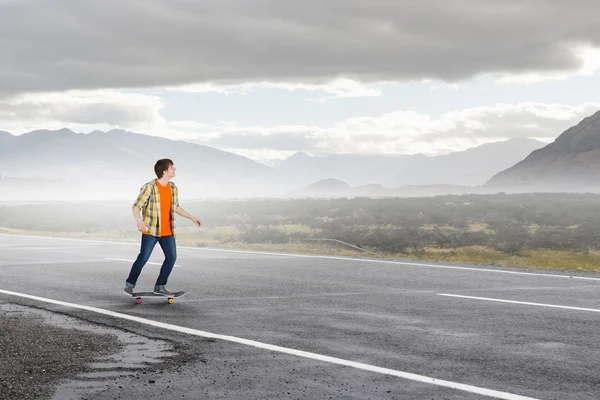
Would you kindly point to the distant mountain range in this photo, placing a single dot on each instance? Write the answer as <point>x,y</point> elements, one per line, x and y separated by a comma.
<point>63,164</point>
<point>472,167</point>
<point>331,188</point>
<point>116,163</point>
<point>570,163</point>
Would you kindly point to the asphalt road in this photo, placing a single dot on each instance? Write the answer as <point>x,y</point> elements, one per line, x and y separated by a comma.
<point>258,325</point>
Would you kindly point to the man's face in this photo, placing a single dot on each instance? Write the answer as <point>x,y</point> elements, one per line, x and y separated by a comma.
<point>171,171</point>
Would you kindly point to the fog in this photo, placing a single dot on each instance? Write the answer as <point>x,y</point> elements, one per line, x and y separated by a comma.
<point>502,222</point>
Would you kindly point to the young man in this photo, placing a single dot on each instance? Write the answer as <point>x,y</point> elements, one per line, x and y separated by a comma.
<point>154,212</point>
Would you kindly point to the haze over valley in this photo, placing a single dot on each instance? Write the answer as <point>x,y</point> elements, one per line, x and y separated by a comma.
<point>65,165</point>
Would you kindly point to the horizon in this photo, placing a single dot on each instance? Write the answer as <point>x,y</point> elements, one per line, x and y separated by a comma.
<point>275,164</point>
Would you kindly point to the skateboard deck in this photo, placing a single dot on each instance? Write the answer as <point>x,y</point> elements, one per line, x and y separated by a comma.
<point>171,299</point>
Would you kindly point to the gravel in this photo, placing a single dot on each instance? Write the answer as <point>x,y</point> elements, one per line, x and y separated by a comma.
<point>36,356</point>
<point>47,355</point>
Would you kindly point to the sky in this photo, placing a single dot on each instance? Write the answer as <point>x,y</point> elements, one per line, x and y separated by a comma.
<point>268,78</point>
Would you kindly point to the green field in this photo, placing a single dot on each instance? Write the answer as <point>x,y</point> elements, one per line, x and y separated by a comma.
<point>560,231</point>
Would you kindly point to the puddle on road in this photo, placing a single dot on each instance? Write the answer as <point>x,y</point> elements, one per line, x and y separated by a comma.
<point>136,355</point>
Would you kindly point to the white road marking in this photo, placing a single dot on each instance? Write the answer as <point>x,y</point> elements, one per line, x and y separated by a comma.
<point>370,260</point>
<point>285,350</point>
<point>365,260</point>
<point>520,302</point>
<point>132,261</point>
<point>69,239</point>
<point>28,248</point>
<point>532,288</point>
<point>300,296</point>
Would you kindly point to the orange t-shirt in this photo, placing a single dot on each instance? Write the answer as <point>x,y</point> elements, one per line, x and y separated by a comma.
<point>165,209</point>
<point>166,200</point>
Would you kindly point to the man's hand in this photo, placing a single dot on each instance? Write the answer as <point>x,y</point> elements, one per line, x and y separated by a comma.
<point>186,214</point>
<point>142,227</point>
<point>196,220</point>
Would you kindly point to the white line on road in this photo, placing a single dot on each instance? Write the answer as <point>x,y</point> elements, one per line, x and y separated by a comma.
<point>520,302</point>
<point>300,296</point>
<point>285,350</point>
<point>69,239</point>
<point>131,261</point>
<point>370,260</point>
<point>365,260</point>
<point>29,248</point>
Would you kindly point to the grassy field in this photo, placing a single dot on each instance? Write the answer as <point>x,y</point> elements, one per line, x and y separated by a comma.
<point>224,237</point>
<point>544,230</point>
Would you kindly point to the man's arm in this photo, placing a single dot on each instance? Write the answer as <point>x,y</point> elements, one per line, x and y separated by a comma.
<point>141,201</point>
<point>186,214</point>
<point>137,214</point>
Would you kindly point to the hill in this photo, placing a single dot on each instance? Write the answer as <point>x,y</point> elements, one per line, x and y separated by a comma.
<point>114,164</point>
<point>570,163</point>
<point>471,167</point>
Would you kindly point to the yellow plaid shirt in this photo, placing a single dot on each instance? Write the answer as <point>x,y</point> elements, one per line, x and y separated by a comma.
<point>149,202</point>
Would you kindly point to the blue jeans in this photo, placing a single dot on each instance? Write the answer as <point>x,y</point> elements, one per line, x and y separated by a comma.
<point>167,243</point>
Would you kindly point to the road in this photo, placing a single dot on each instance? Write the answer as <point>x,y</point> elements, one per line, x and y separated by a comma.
<point>263,325</point>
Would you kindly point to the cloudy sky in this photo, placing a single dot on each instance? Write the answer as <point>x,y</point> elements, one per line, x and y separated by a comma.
<point>268,78</point>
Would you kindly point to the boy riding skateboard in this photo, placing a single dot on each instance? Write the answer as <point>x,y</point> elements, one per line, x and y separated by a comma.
<point>154,211</point>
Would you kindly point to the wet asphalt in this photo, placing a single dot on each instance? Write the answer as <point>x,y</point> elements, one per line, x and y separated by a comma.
<point>539,340</point>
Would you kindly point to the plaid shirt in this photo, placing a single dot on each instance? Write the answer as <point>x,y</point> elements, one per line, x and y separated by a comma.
<point>149,202</point>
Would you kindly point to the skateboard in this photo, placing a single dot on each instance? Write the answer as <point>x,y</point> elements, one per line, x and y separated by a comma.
<point>171,299</point>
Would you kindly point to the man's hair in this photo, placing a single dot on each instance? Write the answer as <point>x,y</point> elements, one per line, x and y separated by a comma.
<point>161,166</point>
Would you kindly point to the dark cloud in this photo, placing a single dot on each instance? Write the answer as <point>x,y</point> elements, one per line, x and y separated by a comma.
<point>86,44</point>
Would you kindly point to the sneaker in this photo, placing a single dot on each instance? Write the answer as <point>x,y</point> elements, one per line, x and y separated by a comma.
<point>163,291</point>
<point>128,290</point>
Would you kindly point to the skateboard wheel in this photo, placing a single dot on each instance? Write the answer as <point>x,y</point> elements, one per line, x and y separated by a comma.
<point>138,301</point>
<point>171,300</point>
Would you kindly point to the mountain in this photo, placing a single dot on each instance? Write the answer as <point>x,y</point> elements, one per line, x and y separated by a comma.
<point>471,167</point>
<point>327,188</point>
<point>355,169</point>
<point>570,163</point>
<point>5,137</point>
<point>62,164</point>
<point>332,188</point>
<point>116,163</point>
<point>371,190</point>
